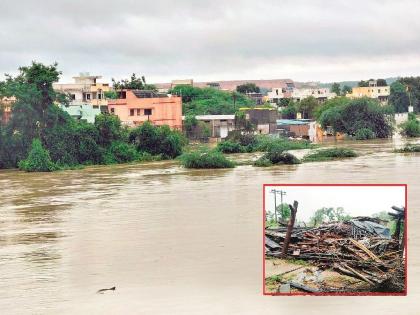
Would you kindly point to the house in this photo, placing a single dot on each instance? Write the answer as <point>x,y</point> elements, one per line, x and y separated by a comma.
<point>134,107</point>
<point>321,94</point>
<point>294,127</point>
<point>263,118</point>
<point>85,90</point>
<point>86,112</point>
<point>219,125</point>
<point>381,93</point>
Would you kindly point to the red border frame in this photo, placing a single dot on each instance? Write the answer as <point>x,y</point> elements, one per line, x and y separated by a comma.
<point>404,293</point>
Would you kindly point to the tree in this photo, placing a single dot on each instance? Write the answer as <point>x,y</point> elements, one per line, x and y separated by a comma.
<point>283,210</point>
<point>38,160</point>
<point>399,98</point>
<point>290,111</point>
<point>413,90</point>
<point>345,90</point>
<point>109,128</point>
<point>381,82</point>
<point>307,106</point>
<point>411,128</point>
<point>335,88</point>
<point>247,88</point>
<point>333,102</point>
<point>363,83</point>
<point>325,215</point>
<point>133,83</point>
<point>357,114</point>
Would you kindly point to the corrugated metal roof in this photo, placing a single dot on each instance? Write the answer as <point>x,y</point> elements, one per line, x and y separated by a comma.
<point>292,122</point>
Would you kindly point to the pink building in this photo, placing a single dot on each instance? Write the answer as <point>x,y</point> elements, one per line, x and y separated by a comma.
<point>134,107</point>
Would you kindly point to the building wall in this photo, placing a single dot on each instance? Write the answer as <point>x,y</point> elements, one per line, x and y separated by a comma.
<point>165,110</point>
<point>85,112</point>
<point>377,92</point>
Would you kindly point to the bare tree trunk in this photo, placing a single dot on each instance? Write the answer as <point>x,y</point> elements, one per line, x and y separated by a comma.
<point>293,210</point>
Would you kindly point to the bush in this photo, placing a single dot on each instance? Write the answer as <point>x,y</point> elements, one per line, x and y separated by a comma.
<point>329,154</point>
<point>411,128</point>
<point>205,159</point>
<point>230,146</point>
<point>276,156</point>
<point>121,152</point>
<point>38,160</point>
<point>364,134</point>
<point>409,148</point>
<point>263,162</point>
<point>158,140</point>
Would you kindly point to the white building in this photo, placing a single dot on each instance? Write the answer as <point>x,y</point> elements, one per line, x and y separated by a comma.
<point>321,94</point>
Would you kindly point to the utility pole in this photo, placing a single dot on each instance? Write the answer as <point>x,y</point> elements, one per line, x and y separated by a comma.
<point>275,192</point>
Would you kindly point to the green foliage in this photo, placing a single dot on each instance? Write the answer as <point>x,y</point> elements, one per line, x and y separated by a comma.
<point>325,215</point>
<point>329,154</point>
<point>399,97</point>
<point>335,102</point>
<point>345,90</point>
<point>109,128</point>
<point>247,88</point>
<point>158,140</point>
<point>38,160</point>
<point>409,148</point>
<point>290,111</point>
<point>133,83</point>
<point>308,106</point>
<point>112,95</point>
<point>210,101</point>
<point>283,210</point>
<point>276,155</point>
<point>355,115</point>
<point>365,134</point>
<point>413,87</point>
<point>205,159</point>
<point>230,146</point>
<point>411,128</point>
<point>190,122</point>
<point>335,88</point>
<point>120,152</point>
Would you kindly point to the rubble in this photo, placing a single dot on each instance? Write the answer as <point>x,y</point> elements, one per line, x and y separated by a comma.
<point>361,248</point>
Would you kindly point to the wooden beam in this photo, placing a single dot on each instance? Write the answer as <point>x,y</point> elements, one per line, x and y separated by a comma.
<point>293,210</point>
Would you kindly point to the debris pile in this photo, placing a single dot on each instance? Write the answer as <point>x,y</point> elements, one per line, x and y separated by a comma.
<point>361,248</point>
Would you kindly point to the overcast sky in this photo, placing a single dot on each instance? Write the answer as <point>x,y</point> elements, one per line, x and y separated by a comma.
<point>305,40</point>
<point>356,200</point>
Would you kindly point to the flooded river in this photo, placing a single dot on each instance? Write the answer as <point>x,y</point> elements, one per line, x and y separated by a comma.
<point>172,241</point>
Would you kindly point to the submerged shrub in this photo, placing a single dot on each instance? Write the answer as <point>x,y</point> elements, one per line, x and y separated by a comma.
<point>329,154</point>
<point>365,134</point>
<point>38,160</point>
<point>230,146</point>
<point>276,155</point>
<point>411,128</point>
<point>409,148</point>
<point>205,159</point>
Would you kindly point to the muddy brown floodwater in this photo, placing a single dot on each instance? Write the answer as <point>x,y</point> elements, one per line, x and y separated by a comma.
<point>172,241</point>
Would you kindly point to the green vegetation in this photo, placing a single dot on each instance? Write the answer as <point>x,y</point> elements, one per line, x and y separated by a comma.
<point>276,155</point>
<point>399,97</point>
<point>273,280</point>
<point>411,128</point>
<point>325,215</point>
<point>239,142</point>
<point>133,83</point>
<point>413,89</point>
<point>290,111</point>
<point>247,88</point>
<point>205,158</point>
<point>308,106</point>
<point>363,113</point>
<point>210,101</point>
<point>364,134</point>
<point>42,137</point>
<point>329,154</point>
<point>409,148</point>
<point>38,160</point>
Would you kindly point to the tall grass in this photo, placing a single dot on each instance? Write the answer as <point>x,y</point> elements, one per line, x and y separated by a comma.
<point>329,154</point>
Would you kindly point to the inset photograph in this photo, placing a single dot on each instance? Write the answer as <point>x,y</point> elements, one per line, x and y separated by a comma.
<point>335,239</point>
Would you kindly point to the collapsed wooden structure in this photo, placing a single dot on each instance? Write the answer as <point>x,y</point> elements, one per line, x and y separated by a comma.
<point>361,248</point>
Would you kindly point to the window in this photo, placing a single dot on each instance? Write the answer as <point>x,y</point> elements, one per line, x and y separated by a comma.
<point>122,94</point>
<point>138,112</point>
<point>95,106</point>
<point>88,96</point>
<point>132,112</point>
<point>112,110</point>
<point>73,96</point>
<point>99,96</point>
<point>148,111</point>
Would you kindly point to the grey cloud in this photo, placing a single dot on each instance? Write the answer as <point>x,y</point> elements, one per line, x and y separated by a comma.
<point>166,39</point>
